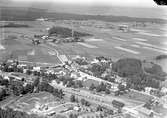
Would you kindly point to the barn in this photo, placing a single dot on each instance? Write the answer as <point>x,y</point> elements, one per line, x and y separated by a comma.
<point>117,104</point>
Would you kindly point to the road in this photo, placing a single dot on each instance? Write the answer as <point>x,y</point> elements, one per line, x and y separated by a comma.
<point>94,78</point>
<point>102,100</point>
<point>49,46</point>
<point>52,46</point>
<point>105,100</point>
<point>83,94</point>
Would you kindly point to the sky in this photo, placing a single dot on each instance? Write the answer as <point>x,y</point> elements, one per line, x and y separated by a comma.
<point>129,3</point>
<point>131,8</point>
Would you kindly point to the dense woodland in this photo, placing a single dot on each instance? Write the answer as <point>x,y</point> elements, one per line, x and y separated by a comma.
<point>17,88</point>
<point>9,113</point>
<point>160,57</point>
<point>14,25</point>
<point>65,32</point>
<point>44,86</point>
<point>139,77</point>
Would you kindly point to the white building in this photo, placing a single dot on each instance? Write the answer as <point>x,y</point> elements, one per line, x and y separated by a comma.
<point>94,61</point>
<point>22,66</point>
<point>124,28</point>
<point>25,71</point>
<point>41,19</point>
<point>6,77</point>
<point>37,69</point>
<point>149,89</point>
<point>164,90</point>
<point>163,101</point>
<point>44,37</point>
<point>75,75</point>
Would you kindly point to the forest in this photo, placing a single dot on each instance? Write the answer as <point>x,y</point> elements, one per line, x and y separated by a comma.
<point>138,76</point>
<point>9,113</point>
<point>65,32</point>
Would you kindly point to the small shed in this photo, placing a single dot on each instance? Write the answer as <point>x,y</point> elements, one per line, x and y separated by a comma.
<point>117,104</point>
<point>124,28</point>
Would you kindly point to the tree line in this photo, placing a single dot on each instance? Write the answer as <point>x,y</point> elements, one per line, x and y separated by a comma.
<point>138,77</point>
<point>10,113</point>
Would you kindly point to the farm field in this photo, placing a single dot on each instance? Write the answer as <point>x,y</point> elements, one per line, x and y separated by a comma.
<point>17,46</point>
<point>142,42</point>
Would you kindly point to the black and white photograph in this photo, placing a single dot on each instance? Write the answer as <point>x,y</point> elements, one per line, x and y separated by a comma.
<point>83,59</point>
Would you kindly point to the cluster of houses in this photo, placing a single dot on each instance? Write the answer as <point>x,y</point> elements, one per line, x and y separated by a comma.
<point>160,95</point>
<point>58,40</point>
<point>87,75</point>
<point>72,70</point>
<point>55,38</point>
<point>124,28</point>
<point>17,76</point>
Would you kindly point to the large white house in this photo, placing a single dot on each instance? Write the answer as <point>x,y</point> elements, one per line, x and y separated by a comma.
<point>164,101</point>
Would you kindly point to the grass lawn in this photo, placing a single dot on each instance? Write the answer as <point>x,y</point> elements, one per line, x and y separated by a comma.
<point>28,102</point>
<point>136,96</point>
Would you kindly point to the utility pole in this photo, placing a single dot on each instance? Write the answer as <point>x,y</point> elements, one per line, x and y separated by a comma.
<point>2,36</point>
<point>72,31</point>
<point>1,33</point>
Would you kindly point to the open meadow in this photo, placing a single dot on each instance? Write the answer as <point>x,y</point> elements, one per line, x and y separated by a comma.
<point>143,42</point>
<point>17,43</point>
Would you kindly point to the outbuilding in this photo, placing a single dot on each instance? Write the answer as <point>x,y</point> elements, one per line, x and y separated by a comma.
<point>117,104</point>
<point>124,28</point>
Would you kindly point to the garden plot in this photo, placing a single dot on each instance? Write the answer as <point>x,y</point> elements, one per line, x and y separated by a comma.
<point>118,38</point>
<point>136,46</point>
<point>94,39</point>
<point>140,39</point>
<point>87,45</point>
<point>148,34</point>
<point>127,50</point>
